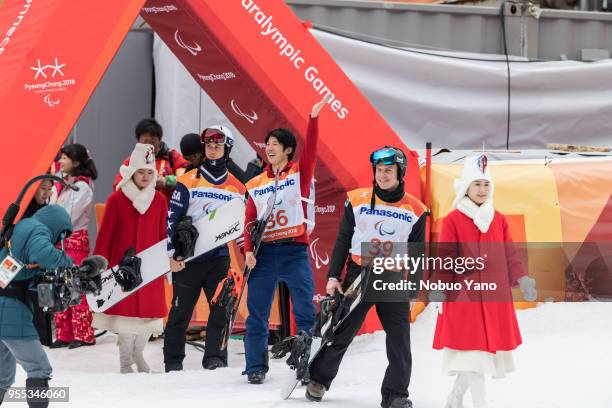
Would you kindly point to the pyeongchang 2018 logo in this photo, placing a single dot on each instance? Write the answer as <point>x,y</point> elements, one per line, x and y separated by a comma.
<point>224,76</point>
<point>191,46</point>
<point>318,259</point>
<point>328,209</point>
<point>249,117</point>
<point>9,33</point>
<point>49,79</point>
<point>159,9</point>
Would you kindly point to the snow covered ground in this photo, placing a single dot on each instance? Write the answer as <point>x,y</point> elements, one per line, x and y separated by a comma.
<point>564,362</point>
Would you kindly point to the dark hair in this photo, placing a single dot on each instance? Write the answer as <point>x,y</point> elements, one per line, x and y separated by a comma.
<point>285,138</point>
<point>78,152</point>
<point>150,126</point>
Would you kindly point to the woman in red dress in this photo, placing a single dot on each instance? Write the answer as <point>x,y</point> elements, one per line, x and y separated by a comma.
<point>477,333</point>
<point>134,217</point>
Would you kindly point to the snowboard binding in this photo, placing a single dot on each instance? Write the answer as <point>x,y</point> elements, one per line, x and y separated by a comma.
<point>227,292</point>
<point>298,348</point>
<point>128,274</point>
<point>328,310</point>
<point>184,239</point>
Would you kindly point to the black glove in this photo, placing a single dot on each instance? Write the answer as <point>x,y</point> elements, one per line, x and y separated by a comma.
<point>184,239</point>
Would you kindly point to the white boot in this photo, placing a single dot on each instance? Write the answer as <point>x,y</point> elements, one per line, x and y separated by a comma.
<point>139,346</point>
<point>455,398</point>
<point>477,388</point>
<point>125,342</point>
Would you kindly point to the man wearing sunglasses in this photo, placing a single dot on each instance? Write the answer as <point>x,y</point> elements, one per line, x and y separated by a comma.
<point>197,193</point>
<point>387,216</point>
<point>283,254</point>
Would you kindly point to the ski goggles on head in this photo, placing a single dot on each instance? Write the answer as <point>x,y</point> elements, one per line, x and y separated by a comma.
<point>385,156</point>
<point>213,136</point>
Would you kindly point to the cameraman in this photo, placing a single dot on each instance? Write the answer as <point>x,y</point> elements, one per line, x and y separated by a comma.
<point>33,244</point>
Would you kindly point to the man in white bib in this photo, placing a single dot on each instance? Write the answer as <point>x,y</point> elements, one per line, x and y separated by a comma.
<point>383,216</point>
<point>283,254</point>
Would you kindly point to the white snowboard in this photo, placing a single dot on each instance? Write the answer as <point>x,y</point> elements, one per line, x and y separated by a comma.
<point>218,227</point>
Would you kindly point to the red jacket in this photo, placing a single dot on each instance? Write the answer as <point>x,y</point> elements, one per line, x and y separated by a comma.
<point>162,164</point>
<point>477,325</point>
<point>123,227</point>
<point>306,164</point>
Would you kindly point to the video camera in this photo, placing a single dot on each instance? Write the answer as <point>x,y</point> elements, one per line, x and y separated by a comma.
<point>63,287</point>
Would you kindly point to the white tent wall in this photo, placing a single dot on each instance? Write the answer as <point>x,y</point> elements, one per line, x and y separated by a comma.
<point>182,107</point>
<point>454,100</point>
<point>461,103</point>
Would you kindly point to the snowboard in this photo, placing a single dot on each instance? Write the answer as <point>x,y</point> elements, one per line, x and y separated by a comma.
<point>351,299</point>
<point>216,228</point>
<point>257,233</point>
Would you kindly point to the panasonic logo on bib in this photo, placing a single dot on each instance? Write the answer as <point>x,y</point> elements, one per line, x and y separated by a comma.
<point>208,194</point>
<point>270,189</point>
<point>386,213</point>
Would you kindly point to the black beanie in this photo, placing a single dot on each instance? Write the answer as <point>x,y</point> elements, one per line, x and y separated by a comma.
<point>191,144</point>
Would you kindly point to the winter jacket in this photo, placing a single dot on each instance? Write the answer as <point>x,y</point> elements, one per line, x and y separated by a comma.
<point>340,255</point>
<point>469,323</point>
<point>306,169</point>
<point>33,242</point>
<point>123,227</point>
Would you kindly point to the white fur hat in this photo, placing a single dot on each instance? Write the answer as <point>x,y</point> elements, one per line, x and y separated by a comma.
<point>474,168</point>
<point>143,157</point>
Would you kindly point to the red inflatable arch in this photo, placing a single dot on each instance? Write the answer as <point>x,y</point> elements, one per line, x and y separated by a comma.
<point>255,59</point>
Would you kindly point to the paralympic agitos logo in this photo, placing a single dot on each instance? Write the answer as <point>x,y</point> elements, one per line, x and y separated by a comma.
<point>319,260</point>
<point>379,226</point>
<point>194,48</point>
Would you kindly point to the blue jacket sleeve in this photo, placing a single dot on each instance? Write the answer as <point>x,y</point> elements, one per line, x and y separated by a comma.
<point>179,204</point>
<point>41,251</point>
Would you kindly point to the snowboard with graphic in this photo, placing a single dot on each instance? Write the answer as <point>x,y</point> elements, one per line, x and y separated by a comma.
<point>216,228</point>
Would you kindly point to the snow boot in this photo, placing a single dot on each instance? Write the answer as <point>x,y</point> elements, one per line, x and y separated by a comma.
<point>140,342</point>
<point>212,363</point>
<point>315,391</point>
<point>455,398</point>
<point>38,386</point>
<point>257,377</point>
<point>126,341</point>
